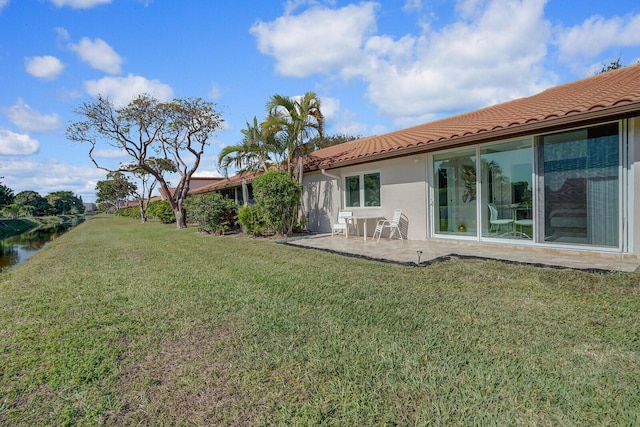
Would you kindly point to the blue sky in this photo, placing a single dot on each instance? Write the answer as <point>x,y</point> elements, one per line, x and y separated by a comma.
<point>377,66</point>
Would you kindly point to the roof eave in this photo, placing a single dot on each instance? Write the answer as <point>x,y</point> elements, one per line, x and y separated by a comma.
<point>617,112</point>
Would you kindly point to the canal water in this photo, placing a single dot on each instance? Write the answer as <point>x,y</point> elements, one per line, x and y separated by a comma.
<point>15,250</point>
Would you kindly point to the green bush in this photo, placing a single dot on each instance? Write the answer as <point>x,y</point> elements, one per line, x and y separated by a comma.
<point>132,212</point>
<point>277,196</point>
<point>214,213</point>
<point>162,210</point>
<point>252,220</point>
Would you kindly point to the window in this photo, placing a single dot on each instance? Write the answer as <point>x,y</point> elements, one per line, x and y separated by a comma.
<point>455,186</point>
<point>507,190</point>
<point>564,189</point>
<point>362,190</point>
<point>581,186</point>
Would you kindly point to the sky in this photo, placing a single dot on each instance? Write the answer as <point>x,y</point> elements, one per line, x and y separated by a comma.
<point>377,66</point>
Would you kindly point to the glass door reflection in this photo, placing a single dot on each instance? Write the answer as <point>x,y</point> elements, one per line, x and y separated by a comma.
<point>507,190</point>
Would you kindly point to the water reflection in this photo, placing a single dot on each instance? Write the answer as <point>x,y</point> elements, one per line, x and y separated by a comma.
<point>15,250</point>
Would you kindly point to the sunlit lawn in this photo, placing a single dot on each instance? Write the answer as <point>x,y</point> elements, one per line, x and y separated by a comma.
<point>120,323</point>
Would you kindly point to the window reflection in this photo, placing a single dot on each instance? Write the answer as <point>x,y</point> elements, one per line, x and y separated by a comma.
<point>455,178</point>
<point>507,190</point>
<point>581,186</point>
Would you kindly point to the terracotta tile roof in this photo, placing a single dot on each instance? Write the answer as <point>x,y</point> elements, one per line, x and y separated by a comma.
<point>609,96</point>
<point>230,182</point>
<point>233,181</point>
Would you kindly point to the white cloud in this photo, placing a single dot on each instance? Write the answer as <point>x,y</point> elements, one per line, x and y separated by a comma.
<point>342,121</point>
<point>329,107</point>
<point>470,8</point>
<point>494,54</point>
<point>63,34</point>
<point>98,54</point>
<point>30,120</point>
<point>291,5</point>
<point>21,174</point>
<point>122,90</point>
<point>66,94</point>
<point>317,40</point>
<point>44,67</point>
<point>109,154</point>
<point>412,5</point>
<point>3,3</point>
<point>79,4</point>
<point>208,174</point>
<point>13,144</point>
<point>215,92</point>
<point>348,125</point>
<point>597,34</point>
<point>495,57</point>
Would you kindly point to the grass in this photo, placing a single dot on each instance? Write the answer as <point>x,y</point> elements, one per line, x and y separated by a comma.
<point>11,227</point>
<point>119,323</point>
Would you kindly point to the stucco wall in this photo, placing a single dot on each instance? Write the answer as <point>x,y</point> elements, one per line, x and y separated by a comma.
<point>634,185</point>
<point>403,186</point>
<point>321,200</point>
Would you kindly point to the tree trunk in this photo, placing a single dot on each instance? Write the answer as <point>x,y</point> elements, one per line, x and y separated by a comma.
<point>143,214</point>
<point>181,219</point>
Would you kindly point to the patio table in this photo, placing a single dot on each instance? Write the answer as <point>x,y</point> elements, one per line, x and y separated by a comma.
<point>364,218</point>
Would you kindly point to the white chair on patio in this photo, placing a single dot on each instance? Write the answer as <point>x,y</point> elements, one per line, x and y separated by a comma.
<point>342,226</point>
<point>495,223</point>
<point>393,225</point>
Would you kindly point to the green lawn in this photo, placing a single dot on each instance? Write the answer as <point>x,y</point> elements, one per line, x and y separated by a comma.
<point>120,323</point>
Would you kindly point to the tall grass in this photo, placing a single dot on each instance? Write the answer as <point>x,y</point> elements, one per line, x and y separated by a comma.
<point>121,323</point>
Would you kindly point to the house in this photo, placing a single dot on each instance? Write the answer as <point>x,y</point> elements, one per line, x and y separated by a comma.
<point>557,169</point>
<point>237,187</point>
<point>196,183</point>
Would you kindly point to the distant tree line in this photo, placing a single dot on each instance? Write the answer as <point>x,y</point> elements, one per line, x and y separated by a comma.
<point>30,203</point>
<point>613,65</point>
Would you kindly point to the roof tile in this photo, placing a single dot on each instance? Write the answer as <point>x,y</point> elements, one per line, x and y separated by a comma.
<point>600,92</point>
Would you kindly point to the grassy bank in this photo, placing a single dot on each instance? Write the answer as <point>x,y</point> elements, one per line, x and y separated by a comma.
<point>119,323</point>
<point>11,227</point>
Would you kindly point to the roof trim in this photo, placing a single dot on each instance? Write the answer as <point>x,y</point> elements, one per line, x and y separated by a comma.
<point>617,112</point>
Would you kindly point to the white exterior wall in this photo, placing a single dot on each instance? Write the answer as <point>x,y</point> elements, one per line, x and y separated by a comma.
<point>633,186</point>
<point>321,199</point>
<point>403,183</point>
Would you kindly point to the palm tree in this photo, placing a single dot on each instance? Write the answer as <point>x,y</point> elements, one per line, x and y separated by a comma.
<point>252,153</point>
<point>295,120</point>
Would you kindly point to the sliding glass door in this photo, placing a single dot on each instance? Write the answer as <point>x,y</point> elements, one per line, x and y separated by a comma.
<point>581,176</point>
<point>572,196</point>
<point>455,192</point>
<point>507,190</point>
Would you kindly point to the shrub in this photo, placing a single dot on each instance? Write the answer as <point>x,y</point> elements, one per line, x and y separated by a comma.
<point>252,220</point>
<point>213,212</point>
<point>277,195</point>
<point>162,210</point>
<point>132,212</point>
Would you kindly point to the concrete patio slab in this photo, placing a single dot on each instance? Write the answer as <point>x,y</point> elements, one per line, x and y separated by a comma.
<point>406,252</point>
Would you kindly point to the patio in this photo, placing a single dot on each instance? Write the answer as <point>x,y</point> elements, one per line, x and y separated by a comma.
<point>406,252</point>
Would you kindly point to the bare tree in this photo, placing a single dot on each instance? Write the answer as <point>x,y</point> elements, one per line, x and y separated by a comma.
<point>175,131</point>
<point>148,183</point>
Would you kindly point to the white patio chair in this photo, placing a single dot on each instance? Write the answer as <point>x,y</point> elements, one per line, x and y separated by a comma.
<point>393,225</point>
<point>342,226</point>
<point>495,223</point>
